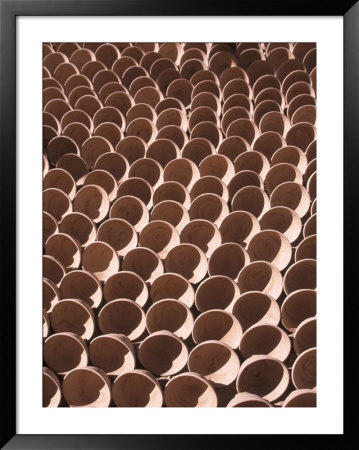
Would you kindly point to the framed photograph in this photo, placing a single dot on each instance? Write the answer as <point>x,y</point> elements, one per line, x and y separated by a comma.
<point>166,259</point>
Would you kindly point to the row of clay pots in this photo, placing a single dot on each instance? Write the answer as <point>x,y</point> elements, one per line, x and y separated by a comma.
<point>90,386</point>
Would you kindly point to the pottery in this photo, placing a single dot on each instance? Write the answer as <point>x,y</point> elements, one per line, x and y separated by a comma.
<point>246,400</point>
<point>216,361</point>
<point>82,285</point>
<point>163,151</point>
<point>217,325</point>
<point>275,121</point>
<point>113,353</point>
<point>49,226</point>
<point>59,146</point>
<point>311,151</point>
<point>92,201</point>
<point>307,248</point>
<point>209,185</point>
<point>75,166</point>
<point>144,262</point>
<point>267,143</point>
<point>208,86</point>
<point>109,114</point>
<point>142,128</point>
<point>202,114</point>
<point>171,315</point>
<point>189,389</point>
<point>301,135</point>
<point>137,388</point>
<point>242,179</point>
<point>202,233</point>
<point>216,292</point>
<point>230,74</point>
<point>172,116</point>
<point>141,110</point>
<point>175,134</point>
<point>264,376</point>
<point>101,260</point>
<point>148,169</point>
<point>251,199</point>
<point>169,103</point>
<point>131,148</point>
<point>256,308</point>
<point>87,387</point>
<point>298,102</point>
<point>172,190</point>
<point>187,260</point>
<point>293,196</point>
<point>122,316</point>
<point>183,171</point>
<point>131,209</point>
<point>304,371</point>
<point>180,89</point>
<point>207,99</point>
<point>291,155</point>
<point>270,94</point>
<point>93,148</point>
<point>50,294</point>
<point>284,220</point>
<point>136,187</point>
<point>115,164</point>
<point>239,227</point>
<point>64,352</point>
<point>52,269</point>
<point>126,285</point>
<point>310,226</point>
<point>163,353</point>
<point>217,165</point>
<point>233,146</point>
<point>149,95</point>
<point>297,307</point>
<point>265,339</point>
<point>65,249</point>
<point>228,259</point>
<point>238,100</point>
<point>171,212</point>
<point>51,389</point>
<point>263,108</point>
<point>301,275</point>
<point>172,286</point>
<point>252,160</point>
<point>261,276</point>
<point>207,130</point>
<point>305,336</point>
<point>264,82</point>
<point>80,227</point>
<point>160,237</point>
<point>301,398</point>
<point>294,77</point>
<point>209,207</point>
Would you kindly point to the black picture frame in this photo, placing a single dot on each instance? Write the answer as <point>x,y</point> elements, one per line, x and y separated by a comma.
<point>9,10</point>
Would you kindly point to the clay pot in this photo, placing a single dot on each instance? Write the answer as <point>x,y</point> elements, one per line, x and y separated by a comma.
<point>217,325</point>
<point>145,262</point>
<point>258,69</point>
<point>52,269</point>
<point>81,56</point>
<point>93,148</point>
<point>216,292</point>
<point>302,48</point>
<point>246,400</point>
<point>163,151</point>
<point>115,164</point>
<point>183,171</point>
<point>239,227</point>
<point>109,114</point>
<point>160,237</point>
<point>237,86</point>
<point>228,259</point>
<point>297,307</point>
<point>301,275</point>
<point>180,89</point>
<point>190,389</point>
<point>131,209</point>
<point>103,77</point>
<point>220,61</point>
<point>75,316</point>
<point>232,115</point>
<point>307,248</point>
<point>274,121</point>
<point>101,260</point>
<point>206,99</point>
<point>203,234</point>
<point>126,285</point>
<point>310,226</point>
<point>256,308</point>
<point>140,82</point>
<point>292,155</point>
<point>267,143</point>
<point>264,82</point>
<point>171,190</point>
<point>148,169</point>
<point>209,185</point>
<point>75,81</point>
<point>56,203</point>
<point>296,103</point>
<point>301,398</point>
<point>251,199</point>
<point>172,116</point>
<point>217,165</point>
<point>142,128</point>
<point>163,353</point>
<point>263,108</point>
<point>49,226</point>
<point>261,276</point>
<point>207,130</point>
<point>171,212</point>
<point>208,86</point>
<point>311,168</point>
<point>301,135</point>
<point>119,234</point>
<point>187,260</point>
<point>209,207</point>
<point>252,160</point>
<point>87,387</point>
<point>80,227</point>
<point>271,246</point>
<point>287,67</point>
<point>231,73</point>
<point>137,388</point>
<point>304,371</point>
<point>247,56</point>
<point>122,316</point>
<point>305,336</point>
<point>174,134</point>
<point>65,249</point>
<point>197,149</point>
<point>64,352</point>
<point>298,88</point>
<point>131,148</point>
<point>172,286</point>
<point>74,165</point>
<point>50,294</point>
<point>91,68</point>
<point>294,77</point>
<point>171,315</point>
<point>136,187</point>
<point>113,353</point>
<point>233,146</point>
<point>122,64</point>
<point>149,95</point>
<point>141,110</point>
<point>216,361</point>
<point>78,132</point>
<point>88,104</point>
<point>238,100</point>
<point>190,67</point>
<point>293,196</point>
<point>284,220</point>
<point>242,179</point>
<point>265,339</point>
<point>169,103</point>
<point>202,114</point>
<point>264,376</point>
<point>92,201</point>
<point>51,389</point>
<point>58,108</point>
<point>82,285</point>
